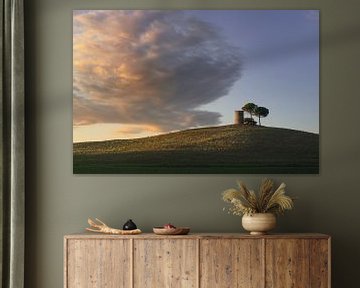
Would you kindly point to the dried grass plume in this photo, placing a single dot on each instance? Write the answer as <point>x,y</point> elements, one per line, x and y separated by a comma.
<point>267,200</point>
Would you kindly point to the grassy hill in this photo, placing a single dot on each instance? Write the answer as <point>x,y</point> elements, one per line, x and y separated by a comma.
<point>222,149</point>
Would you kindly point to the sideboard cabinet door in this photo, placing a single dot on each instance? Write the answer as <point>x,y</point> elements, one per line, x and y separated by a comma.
<point>320,263</point>
<point>165,263</point>
<point>98,263</point>
<point>231,263</point>
<point>297,263</point>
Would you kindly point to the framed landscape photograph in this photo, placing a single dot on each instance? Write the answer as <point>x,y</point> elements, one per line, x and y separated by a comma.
<point>196,91</point>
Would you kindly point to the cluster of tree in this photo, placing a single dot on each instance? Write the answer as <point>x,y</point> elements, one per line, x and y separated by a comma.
<point>255,110</point>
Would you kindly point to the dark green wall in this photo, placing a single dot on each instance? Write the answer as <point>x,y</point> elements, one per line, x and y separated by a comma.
<point>59,202</point>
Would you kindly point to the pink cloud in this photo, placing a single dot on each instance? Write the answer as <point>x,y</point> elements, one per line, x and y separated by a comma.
<point>151,68</point>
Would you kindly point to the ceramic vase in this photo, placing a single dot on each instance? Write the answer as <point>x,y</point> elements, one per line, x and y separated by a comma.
<point>259,223</point>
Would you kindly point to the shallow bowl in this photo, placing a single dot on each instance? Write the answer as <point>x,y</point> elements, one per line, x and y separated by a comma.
<point>171,231</point>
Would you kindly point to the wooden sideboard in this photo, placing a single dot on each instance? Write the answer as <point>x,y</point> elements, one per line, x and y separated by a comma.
<point>197,260</point>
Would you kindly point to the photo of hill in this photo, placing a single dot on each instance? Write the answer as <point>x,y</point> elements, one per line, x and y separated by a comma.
<point>223,149</point>
<point>195,91</point>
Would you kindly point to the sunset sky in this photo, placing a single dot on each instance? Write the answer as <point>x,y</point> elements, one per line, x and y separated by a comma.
<point>142,73</point>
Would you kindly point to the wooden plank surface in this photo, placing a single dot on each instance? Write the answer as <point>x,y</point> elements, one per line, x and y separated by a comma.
<point>287,263</point>
<point>231,263</point>
<point>198,236</point>
<point>166,263</point>
<point>98,263</point>
<point>197,260</point>
<point>319,263</point>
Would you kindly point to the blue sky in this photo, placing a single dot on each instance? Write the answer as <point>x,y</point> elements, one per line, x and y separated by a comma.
<point>141,73</point>
<point>281,64</point>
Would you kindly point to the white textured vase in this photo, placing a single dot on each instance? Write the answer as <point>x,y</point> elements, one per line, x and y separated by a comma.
<point>259,223</point>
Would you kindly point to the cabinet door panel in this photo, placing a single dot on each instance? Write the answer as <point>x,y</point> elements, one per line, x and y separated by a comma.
<point>166,263</point>
<point>231,263</point>
<point>319,263</point>
<point>98,264</point>
<point>287,263</point>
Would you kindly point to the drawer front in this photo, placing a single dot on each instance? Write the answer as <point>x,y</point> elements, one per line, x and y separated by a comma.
<point>98,263</point>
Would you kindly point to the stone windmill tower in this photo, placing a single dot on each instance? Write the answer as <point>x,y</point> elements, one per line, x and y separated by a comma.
<point>239,117</point>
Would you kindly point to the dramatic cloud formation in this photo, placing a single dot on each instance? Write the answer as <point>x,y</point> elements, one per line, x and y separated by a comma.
<point>151,69</point>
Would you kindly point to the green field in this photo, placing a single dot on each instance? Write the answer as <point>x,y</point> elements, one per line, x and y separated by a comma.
<point>213,150</point>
